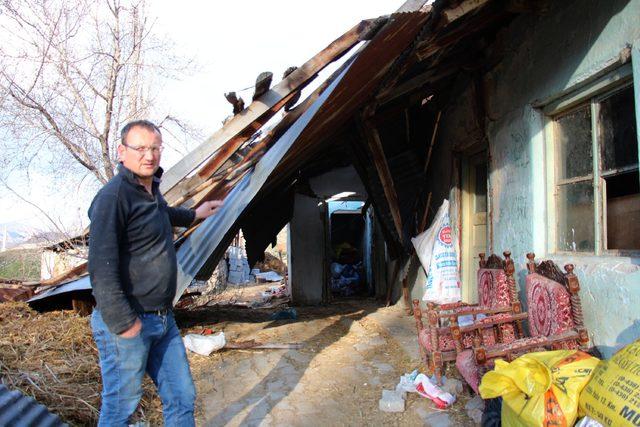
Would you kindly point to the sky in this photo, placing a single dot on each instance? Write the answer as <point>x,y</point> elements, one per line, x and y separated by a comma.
<point>230,43</point>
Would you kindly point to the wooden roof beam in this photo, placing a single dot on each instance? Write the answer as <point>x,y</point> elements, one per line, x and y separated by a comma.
<point>243,125</point>
<point>382,167</point>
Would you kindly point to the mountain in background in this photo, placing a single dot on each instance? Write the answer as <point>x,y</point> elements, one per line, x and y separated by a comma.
<point>17,234</point>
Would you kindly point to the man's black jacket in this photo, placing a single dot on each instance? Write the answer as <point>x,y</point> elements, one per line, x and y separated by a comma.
<point>132,260</point>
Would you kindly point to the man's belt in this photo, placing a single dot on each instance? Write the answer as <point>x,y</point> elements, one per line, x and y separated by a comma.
<point>161,312</point>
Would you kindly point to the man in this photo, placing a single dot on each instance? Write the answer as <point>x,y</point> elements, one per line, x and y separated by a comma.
<point>132,264</point>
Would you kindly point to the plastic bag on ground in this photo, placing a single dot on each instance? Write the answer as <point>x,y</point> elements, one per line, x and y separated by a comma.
<point>437,252</point>
<point>425,388</point>
<point>204,344</point>
<point>406,383</point>
<point>539,389</point>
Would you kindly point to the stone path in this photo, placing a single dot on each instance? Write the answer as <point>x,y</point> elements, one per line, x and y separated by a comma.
<point>336,379</point>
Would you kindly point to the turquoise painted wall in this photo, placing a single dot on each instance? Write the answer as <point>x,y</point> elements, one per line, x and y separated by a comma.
<point>545,56</point>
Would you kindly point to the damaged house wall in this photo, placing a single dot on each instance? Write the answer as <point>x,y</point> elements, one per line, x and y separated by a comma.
<point>545,57</point>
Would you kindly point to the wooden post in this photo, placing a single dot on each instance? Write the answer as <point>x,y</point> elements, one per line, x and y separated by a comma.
<point>576,306</point>
<point>455,333</point>
<point>483,260</point>
<point>480,354</point>
<point>516,306</point>
<point>417,315</point>
<point>384,173</point>
<point>436,355</point>
<point>531,263</point>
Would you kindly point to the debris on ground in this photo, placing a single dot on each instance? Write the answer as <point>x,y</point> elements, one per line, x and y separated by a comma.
<point>475,409</point>
<point>391,401</point>
<point>287,314</point>
<point>310,370</point>
<point>204,345</point>
<point>346,279</point>
<point>274,292</point>
<point>452,386</point>
<point>430,390</point>
<point>267,276</point>
<point>272,263</point>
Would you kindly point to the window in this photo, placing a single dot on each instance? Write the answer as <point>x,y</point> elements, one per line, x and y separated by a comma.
<point>596,182</point>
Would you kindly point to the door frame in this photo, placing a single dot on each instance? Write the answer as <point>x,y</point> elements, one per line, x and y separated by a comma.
<point>467,267</point>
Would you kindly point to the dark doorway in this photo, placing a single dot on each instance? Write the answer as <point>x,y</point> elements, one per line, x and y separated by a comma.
<point>348,239</point>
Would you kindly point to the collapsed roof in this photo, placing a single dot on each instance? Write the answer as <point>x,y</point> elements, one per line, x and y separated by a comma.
<point>378,111</point>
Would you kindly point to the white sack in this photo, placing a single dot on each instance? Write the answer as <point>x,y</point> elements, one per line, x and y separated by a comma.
<point>204,344</point>
<point>437,253</point>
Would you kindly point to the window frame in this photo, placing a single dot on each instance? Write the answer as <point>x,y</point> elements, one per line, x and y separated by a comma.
<point>591,95</point>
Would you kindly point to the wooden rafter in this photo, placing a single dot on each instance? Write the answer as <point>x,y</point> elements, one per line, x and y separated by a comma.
<point>382,167</point>
<point>235,132</point>
<point>212,187</point>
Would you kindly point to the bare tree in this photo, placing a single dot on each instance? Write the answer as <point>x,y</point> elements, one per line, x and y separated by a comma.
<point>71,74</point>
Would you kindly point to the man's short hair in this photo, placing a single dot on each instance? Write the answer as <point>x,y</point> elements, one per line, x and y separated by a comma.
<point>146,124</point>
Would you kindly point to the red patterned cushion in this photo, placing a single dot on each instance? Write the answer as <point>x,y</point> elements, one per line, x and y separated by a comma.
<point>493,289</point>
<point>466,364</point>
<point>549,306</point>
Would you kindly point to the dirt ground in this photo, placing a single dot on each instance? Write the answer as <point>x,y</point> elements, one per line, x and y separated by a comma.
<point>351,351</point>
<point>335,379</point>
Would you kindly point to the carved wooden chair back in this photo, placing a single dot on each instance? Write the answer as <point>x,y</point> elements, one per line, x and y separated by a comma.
<point>554,301</point>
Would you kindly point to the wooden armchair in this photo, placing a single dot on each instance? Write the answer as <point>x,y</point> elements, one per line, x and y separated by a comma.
<point>555,320</point>
<point>442,338</point>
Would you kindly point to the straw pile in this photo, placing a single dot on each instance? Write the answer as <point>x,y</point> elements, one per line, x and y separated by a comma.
<point>52,357</point>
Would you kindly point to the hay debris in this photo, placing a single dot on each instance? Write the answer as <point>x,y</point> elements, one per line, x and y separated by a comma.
<point>53,358</point>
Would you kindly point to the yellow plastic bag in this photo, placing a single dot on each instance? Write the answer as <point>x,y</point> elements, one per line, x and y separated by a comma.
<point>612,396</point>
<point>539,389</point>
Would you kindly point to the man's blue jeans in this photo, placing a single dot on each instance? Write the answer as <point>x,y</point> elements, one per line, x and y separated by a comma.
<point>159,351</point>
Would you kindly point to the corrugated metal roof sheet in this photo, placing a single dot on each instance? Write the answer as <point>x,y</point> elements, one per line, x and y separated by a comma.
<point>80,284</point>
<point>18,410</point>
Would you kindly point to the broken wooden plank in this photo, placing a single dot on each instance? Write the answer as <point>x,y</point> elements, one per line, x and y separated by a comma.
<point>258,113</point>
<point>199,195</point>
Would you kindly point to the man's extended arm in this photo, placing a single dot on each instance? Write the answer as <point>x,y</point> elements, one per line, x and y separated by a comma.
<point>180,217</point>
<point>104,263</point>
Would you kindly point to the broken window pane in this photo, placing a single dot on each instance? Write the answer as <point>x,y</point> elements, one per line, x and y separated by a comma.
<point>618,137</point>
<point>575,217</point>
<point>623,211</point>
<point>573,134</point>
